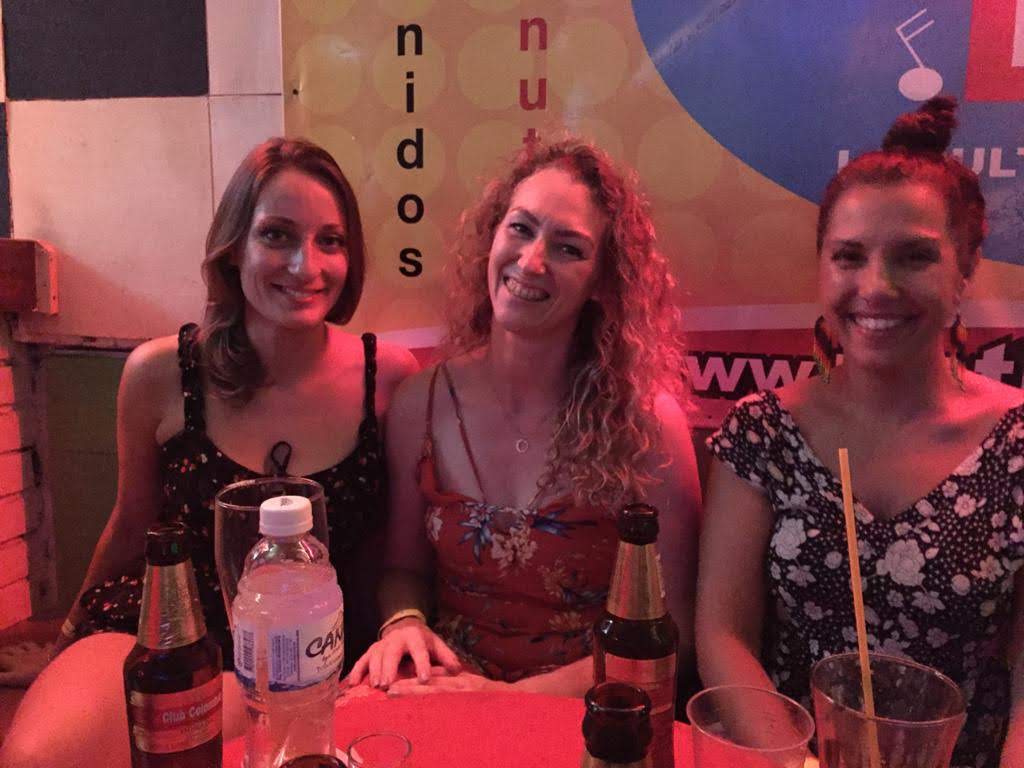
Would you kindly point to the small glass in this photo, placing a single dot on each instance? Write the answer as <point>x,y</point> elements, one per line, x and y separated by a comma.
<point>379,750</point>
<point>918,713</point>
<point>236,522</point>
<point>739,725</point>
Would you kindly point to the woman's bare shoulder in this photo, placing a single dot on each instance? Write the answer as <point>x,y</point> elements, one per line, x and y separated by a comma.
<point>395,363</point>
<point>154,363</point>
<point>992,394</point>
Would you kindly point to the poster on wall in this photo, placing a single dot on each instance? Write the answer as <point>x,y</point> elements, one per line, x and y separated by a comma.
<point>734,114</point>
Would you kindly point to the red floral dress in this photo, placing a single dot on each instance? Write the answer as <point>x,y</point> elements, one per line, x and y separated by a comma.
<point>518,589</point>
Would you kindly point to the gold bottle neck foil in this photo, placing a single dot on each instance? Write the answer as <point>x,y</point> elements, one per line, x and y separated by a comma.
<point>171,615</point>
<point>637,589</point>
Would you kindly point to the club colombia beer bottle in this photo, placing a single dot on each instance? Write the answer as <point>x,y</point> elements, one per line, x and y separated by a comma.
<point>172,677</point>
<point>635,641</point>
<point>616,727</point>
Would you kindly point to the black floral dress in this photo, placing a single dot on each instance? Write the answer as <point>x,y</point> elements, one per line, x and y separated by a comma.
<point>938,577</point>
<point>193,469</point>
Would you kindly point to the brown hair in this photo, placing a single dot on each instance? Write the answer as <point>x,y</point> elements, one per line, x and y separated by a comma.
<point>914,151</point>
<point>626,346</point>
<point>231,363</point>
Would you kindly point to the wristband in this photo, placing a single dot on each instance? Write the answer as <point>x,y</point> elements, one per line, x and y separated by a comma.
<point>405,613</point>
<point>69,630</point>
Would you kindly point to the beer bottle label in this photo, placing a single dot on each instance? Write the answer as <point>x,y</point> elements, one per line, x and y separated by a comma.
<point>174,722</point>
<point>296,657</point>
<point>658,678</point>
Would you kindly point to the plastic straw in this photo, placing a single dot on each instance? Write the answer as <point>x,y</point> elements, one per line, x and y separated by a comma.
<point>874,758</point>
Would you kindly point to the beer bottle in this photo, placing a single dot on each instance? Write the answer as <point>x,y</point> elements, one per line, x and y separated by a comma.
<point>635,640</point>
<point>172,677</point>
<point>616,727</point>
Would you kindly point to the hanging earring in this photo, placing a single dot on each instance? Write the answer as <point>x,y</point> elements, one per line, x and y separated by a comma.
<point>958,351</point>
<point>823,350</point>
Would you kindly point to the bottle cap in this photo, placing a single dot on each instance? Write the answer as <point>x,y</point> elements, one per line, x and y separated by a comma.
<point>167,544</point>
<point>617,723</point>
<point>638,524</point>
<point>286,516</point>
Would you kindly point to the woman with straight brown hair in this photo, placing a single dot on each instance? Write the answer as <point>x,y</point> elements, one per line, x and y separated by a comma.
<point>269,383</point>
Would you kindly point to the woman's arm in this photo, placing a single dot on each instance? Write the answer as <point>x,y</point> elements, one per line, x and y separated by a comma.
<point>1013,748</point>
<point>677,497</point>
<point>408,559</point>
<point>142,398</point>
<point>730,587</point>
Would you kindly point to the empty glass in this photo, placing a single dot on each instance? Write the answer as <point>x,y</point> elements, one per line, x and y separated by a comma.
<point>739,725</point>
<point>918,713</point>
<point>236,522</point>
<point>379,750</point>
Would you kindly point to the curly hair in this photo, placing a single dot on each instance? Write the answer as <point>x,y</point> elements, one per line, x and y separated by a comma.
<point>913,150</point>
<point>626,347</point>
<point>226,352</point>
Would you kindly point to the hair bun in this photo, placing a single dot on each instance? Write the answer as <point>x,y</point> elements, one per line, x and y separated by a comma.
<point>928,129</point>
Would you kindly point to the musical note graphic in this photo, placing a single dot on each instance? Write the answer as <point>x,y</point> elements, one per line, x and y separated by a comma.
<point>921,82</point>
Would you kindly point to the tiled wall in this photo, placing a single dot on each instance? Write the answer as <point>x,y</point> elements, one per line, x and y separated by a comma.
<point>124,120</point>
<point>27,563</point>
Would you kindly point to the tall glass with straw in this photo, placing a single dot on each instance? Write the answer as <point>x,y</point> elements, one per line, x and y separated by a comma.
<point>877,711</point>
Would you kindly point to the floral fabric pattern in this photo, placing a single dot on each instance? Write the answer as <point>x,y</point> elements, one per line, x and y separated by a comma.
<point>193,470</point>
<point>937,577</point>
<point>518,590</point>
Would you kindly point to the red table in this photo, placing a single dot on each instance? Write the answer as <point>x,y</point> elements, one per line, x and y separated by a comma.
<point>472,730</point>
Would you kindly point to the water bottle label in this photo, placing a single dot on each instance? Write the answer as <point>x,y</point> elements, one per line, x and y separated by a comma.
<point>297,657</point>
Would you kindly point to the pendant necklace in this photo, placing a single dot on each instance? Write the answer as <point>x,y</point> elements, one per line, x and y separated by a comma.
<point>522,444</point>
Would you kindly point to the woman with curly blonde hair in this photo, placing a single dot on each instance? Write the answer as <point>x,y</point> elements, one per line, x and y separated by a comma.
<point>559,400</point>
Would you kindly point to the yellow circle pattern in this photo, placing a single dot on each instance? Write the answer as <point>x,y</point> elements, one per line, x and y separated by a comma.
<point>328,74</point>
<point>484,151</point>
<point>398,181</point>
<point>676,162</point>
<point>490,56</point>
<point>588,61</point>
<point>389,74</point>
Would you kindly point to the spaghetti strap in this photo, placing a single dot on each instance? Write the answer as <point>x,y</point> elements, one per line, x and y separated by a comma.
<point>462,427</point>
<point>191,379</point>
<point>428,438</point>
<point>370,375</point>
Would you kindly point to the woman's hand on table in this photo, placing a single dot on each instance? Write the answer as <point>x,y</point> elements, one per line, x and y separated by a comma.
<point>408,637</point>
<point>446,683</point>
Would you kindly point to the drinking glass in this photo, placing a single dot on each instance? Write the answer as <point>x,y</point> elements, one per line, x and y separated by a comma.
<point>236,522</point>
<point>918,713</point>
<point>379,750</point>
<point>739,725</point>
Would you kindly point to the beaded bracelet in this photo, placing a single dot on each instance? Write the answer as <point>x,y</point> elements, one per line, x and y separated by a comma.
<point>405,613</point>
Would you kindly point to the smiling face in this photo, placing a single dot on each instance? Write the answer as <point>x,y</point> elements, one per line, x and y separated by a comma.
<point>544,258</point>
<point>888,275</point>
<point>293,261</point>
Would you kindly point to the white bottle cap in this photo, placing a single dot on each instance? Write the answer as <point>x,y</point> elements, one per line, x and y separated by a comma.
<point>286,516</point>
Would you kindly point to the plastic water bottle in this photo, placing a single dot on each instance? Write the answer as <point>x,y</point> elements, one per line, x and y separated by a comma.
<point>288,636</point>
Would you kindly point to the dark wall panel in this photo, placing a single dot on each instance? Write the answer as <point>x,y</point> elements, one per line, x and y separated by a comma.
<point>5,177</point>
<point>95,49</point>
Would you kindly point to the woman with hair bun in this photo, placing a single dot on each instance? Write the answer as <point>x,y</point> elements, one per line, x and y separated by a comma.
<point>558,400</point>
<point>936,452</point>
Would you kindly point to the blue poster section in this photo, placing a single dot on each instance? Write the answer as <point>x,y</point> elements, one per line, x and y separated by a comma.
<point>789,86</point>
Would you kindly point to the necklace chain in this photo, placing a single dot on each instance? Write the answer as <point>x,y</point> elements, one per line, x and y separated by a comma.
<point>521,444</point>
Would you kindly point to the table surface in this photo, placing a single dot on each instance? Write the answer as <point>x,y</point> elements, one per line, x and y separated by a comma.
<point>451,730</point>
